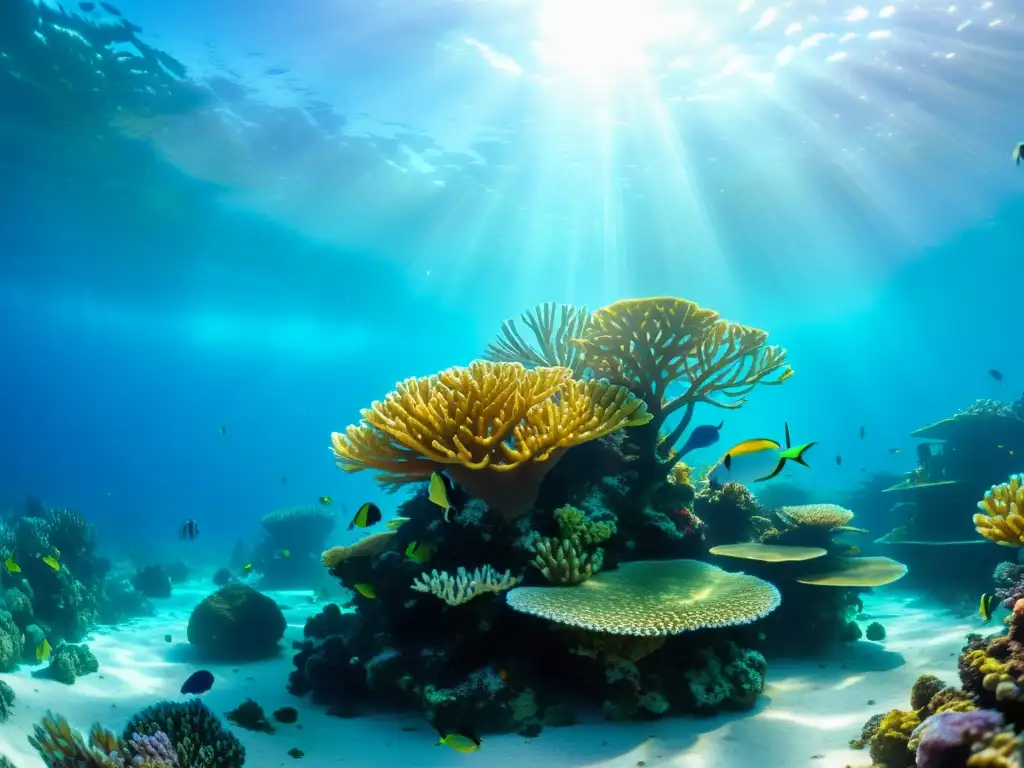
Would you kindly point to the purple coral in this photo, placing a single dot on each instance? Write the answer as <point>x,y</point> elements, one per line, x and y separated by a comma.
<point>1009,578</point>
<point>155,750</point>
<point>947,738</point>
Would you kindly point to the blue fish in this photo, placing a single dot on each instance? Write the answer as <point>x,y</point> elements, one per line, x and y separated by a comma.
<point>198,682</point>
<point>701,437</point>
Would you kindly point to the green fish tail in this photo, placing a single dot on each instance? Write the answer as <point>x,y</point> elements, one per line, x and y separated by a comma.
<point>796,453</point>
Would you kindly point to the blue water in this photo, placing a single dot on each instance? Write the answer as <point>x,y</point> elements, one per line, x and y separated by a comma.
<point>365,191</point>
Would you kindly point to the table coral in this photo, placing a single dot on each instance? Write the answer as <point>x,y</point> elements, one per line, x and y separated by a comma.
<point>1001,513</point>
<point>496,428</point>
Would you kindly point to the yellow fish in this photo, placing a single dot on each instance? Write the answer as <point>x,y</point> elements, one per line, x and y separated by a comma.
<point>985,608</point>
<point>52,562</point>
<point>438,493</point>
<point>43,650</point>
<point>460,742</point>
<point>366,590</point>
<point>397,522</point>
<point>419,553</point>
<point>286,553</point>
<point>325,500</point>
<point>755,461</point>
<point>247,569</point>
<point>12,567</point>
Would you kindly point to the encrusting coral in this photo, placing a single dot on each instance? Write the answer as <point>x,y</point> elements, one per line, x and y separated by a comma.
<point>496,428</point>
<point>464,585</point>
<point>1001,515</point>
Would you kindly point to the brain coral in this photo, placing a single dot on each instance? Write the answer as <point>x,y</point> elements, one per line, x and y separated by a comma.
<point>652,597</point>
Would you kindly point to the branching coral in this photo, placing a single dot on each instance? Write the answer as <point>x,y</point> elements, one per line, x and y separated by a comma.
<point>1001,516</point>
<point>651,344</point>
<point>198,737</point>
<point>652,597</point>
<point>496,428</point>
<point>464,585</point>
<point>60,746</point>
<point>551,336</point>
<point>573,556</point>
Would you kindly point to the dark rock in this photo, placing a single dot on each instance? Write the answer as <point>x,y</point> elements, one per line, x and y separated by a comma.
<point>153,581</point>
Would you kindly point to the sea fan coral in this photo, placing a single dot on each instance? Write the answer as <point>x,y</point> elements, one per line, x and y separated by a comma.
<point>552,325</point>
<point>496,428</point>
<point>652,597</point>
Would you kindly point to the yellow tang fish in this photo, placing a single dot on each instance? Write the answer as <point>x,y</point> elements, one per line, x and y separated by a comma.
<point>12,567</point>
<point>419,553</point>
<point>757,460</point>
<point>52,562</point>
<point>460,742</point>
<point>366,590</point>
<point>43,650</point>
<point>985,608</point>
<point>438,493</point>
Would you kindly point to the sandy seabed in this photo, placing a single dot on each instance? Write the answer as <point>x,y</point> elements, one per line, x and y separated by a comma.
<point>808,714</point>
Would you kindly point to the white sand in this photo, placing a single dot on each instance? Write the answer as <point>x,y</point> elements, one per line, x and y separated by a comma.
<point>809,712</point>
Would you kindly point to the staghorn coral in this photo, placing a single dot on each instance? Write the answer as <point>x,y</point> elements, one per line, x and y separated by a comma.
<point>464,585</point>
<point>496,428</point>
<point>551,336</point>
<point>367,546</point>
<point>652,597</point>
<point>199,739</point>
<point>651,344</point>
<point>1001,515</point>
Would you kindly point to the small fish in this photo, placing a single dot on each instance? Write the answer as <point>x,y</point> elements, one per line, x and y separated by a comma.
<point>396,522</point>
<point>1018,152</point>
<point>87,7</point>
<point>189,530</point>
<point>839,461</point>
<point>51,561</point>
<point>198,682</point>
<point>325,500</point>
<point>756,461</point>
<point>223,429</point>
<point>460,741</point>
<point>285,553</point>
<point>43,650</point>
<point>246,569</point>
<point>438,492</point>
<point>895,450</point>
<point>368,514</point>
<point>110,9</point>
<point>986,606</point>
<point>862,433</point>
<point>995,374</point>
<point>701,437</point>
<point>11,566</point>
<point>419,553</point>
<point>366,590</point>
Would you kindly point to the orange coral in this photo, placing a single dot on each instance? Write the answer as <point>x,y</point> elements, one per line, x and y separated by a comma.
<point>496,428</point>
<point>650,344</point>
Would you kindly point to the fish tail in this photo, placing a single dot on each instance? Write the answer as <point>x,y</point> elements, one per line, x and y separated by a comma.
<point>788,443</point>
<point>796,453</point>
<point>720,424</point>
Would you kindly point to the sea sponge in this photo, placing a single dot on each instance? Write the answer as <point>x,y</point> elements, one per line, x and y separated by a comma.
<point>652,597</point>
<point>971,739</point>
<point>366,546</point>
<point>197,735</point>
<point>652,343</point>
<point>495,428</point>
<point>890,746</point>
<point>551,336</point>
<point>464,585</point>
<point>236,622</point>
<point>1001,516</point>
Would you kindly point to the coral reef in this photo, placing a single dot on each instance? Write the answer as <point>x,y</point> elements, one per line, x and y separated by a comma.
<point>250,715</point>
<point>975,739</point>
<point>195,733</point>
<point>153,581</point>
<point>571,563</point>
<point>288,552</point>
<point>236,623</point>
<point>6,700</point>
<point>68,663</point>
<point>1001,515</point>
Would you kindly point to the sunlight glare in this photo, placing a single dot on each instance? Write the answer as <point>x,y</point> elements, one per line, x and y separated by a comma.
<point>598,40</point>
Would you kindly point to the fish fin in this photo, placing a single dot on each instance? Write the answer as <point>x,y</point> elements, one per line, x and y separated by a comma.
<point>720,424</point>
<point>727,461</point>
<point>782,463</point>
<point>352,525</point>
<point>797,453</point>
<point>440,733</point>
<point>788,443</point>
